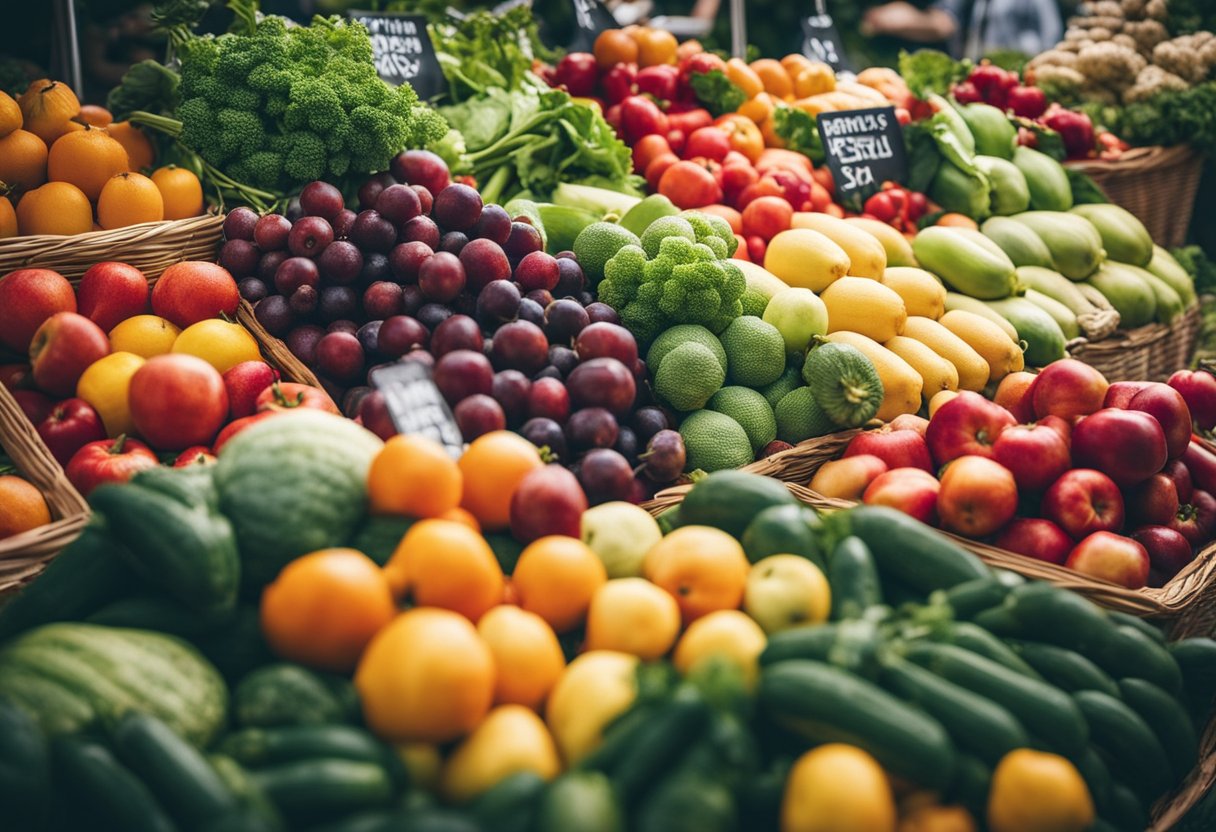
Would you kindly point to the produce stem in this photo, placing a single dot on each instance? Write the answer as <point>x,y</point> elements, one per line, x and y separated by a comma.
<point>493,187</point>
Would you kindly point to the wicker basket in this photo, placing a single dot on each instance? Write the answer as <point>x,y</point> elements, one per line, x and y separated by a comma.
<point>1150,352</point>
<point>1157,184</point>
<point>23,556</point>
<point>150,247</point>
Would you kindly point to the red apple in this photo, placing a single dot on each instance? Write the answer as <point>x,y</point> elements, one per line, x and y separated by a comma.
<point>1013,394</point>
<point>967,425</point>
<point>1060,426</point>
<point>373,411</point>
<point>1168,552</point>
<point>28,297</point>
<point>288,395</point>
<point>1205,510</point>
<point>16,376</point>
<point>1126,445</point>
<point>847,478</point>
<point>978,496</point>
<point>233,428</point>
<point>62,349</point>
<point>1111,557</point>
<point>70,426</point>
<point>1166,405</point>
<point>198,455</point>
<point>1121,393</point>
<point>110,292</point>
<point>911,490</point>
<point>1037,538</point>
<point>1035,454</point>
<point>1177,471</point>
<point>36,406</point>
<point>1068,388</point>
<point>1084,501</point>
<point>1201,464</point>
<point>1198,387</point>
<point>548,500</point>
<point>909,421</point>
<point>194,291</point>
<point>177,400</point>
<point>897,448</point>
<point>1153,502</point>
<point>108,461</point>
<point>244,383</point>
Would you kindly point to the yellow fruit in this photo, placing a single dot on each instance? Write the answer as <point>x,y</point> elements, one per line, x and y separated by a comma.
<point>939,399</point>
<point>10,114</point>
<point>867,257</point>
<point>55,208</point>
<point>726,635</point>
<point>104,385</point>
<point>805,258</point>
<point>704,568</point>
<point>933,818</point>
<point>144,335</point>
<point>987,339</point>
<point>936,373</point>
<point>923,294</point>
<point>838,788</point>
<point>812,79</point>
<point>971,366</point>
<point>511,739</point>
<point>897,246</point>
<point>901,385</point>
<point>1039,791</point>
<point>632,615</point>
<point>595,689</point>
<point>858,304</point>
<point>785,591</point>
<point>526,653</point>
<point>220,343</point>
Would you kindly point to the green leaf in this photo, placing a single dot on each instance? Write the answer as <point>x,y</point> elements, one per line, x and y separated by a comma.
<point>928,71</point>
<point>1084,190</point>
<point>800,131</point>
<point>719,94</point>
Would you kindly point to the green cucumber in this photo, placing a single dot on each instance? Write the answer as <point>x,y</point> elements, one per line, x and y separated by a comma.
<point>975,638</point>
<point>176,772</point>
<point>256,747</point>
<point>849,645</point>
<point>1066,669</point>
<point>1043,336</point>
<point>972,780</point>
<point>853,578</point>
<point>253,801</point>
<point>821,703</point>
<point>510,804</point>
<point>911,552</point>
<point>1041,708</point>
<point>1094,771</point>
<point>25,769</point>
<point>729,500</point>
<point>1038,611</point>
<point>1133,654</point>
<point>320,786</point>
<point>1127,811</point>
<point>1196,659</point>
<point>102,790</point>
<point>967,599</point>
<point>670,731</point>
<point>977,725</point>
<point>1136,754</point>
<point>1151,630</point>
<point>1168,721</point>
<point>619,736</point>
<point>784,530</point>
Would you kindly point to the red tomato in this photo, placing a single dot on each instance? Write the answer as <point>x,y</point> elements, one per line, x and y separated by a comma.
<point>735,178</point>
<point>197,455</point>
<point>690,185</point>
<point>689,120</point>
<point>233,428</point>
<point>710,142</point>
<point>647,148</point>
<point>657,167</point>
<point>108,461</point>
<point>766,217</point>
<point>287,395</point>
<point>756,247</point>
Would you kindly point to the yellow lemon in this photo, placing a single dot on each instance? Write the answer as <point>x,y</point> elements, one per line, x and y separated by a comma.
<point>220,343</point>
<point>104,385</point>
<point>634,616</point>
<point>511,739</point>
<point>728,635</point>
<point>144,335</point>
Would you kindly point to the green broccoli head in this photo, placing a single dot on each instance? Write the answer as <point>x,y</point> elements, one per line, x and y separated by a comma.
<point>307,158</point>
<point>238,130</point>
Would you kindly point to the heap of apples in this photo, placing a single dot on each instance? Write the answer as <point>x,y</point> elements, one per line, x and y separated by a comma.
<point>117,375</point>
<point>1063,466</point>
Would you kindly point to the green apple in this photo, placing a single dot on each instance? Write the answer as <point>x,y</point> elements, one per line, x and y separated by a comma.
<point>799,316</point>
<point>620,534</point>
<point>785,591</point>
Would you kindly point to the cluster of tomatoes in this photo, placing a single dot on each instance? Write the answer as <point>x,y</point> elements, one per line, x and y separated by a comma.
<point>897,206</point>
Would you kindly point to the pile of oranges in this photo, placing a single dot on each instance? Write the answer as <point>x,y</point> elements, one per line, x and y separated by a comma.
<point>70,169</point>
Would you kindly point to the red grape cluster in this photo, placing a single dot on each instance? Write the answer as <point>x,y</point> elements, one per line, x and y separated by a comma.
<point>425,272</point>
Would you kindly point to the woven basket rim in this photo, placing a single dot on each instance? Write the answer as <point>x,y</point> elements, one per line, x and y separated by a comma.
<point>108,237</point>
<point>1137,160</point>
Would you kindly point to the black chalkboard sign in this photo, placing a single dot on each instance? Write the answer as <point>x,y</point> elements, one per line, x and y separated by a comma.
<point>402,50</point>
<point>590,18</point>
<point>416,405</point>
<point>864,148</point>
<point>821,41</point>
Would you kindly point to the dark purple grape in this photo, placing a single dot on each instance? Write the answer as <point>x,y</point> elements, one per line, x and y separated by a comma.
<point>421,167</point>
<point>309,236</point>
<point>522,241</point>
<point>372,232</point>
<point>407,258</point>
<point>411,298</point>
<point>493,224</point>
<point>627,445</point>
<point>399,335</point>
<point>602,382</point>
<point>602,313</point>
<point>303,301</point>
<point>369,337</point>
<point>545,433</point>
<point>570,278</point>
<point>274,314</point>
<point>269,264</point>
<point>463,373</point>
<point>592,427</point>
<point>464,304</point>
<point>422,229</point>
<point>585,298</point>
<point>541,296</point>
<point>441,277</point>
<point>453,242</point>
<point>382,300</point>
<point>321,199</point>
<point>432,315</point>
<point>294,210</point>
<point>398,204</point>
<point>343,223</point>
<point>375,267</point>
<point>271,232</point>
<point>340,358</point>
<point>459,332</point>
<point>302,341</point>
<point>548,372</point>
<point>510,389</point>
<point>563,358</point>
<point>240,258</point>
<point>457,207</point>
<point>522,346</point>
<point>370,190</point>
<point>484,262</point>
<point>605,476</point>
<point>338,302</point>
<point>665,457</point>
<point>239,224</point>
<point>497,303</point>
<point>343,325</point>
<point>564,320</point>
<point>340,263</point>
<point>252,289</point>
<point>537,271</point>
<point>295,272</point>
<point>648,421</point>
<point>531,311</point>
<point>478,414</point>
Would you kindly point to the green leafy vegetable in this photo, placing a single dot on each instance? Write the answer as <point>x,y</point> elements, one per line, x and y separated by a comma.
<point>1198,265</point>
<point>927,71</point>
<point>147,85</point>
<point>1046,140</point>
<point>922,154</point>
<point>800,131</point>
<point>483,51</point>
<point>1170,118</point>
<point>719,94</point>
<point>1084,190</point>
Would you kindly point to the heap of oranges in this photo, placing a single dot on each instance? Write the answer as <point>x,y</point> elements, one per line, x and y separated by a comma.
<point>69,169</point>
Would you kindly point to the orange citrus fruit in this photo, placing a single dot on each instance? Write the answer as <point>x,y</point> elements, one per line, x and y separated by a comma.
<point>634,616</point>
<point>492,466</point>
<point>460,515</point>
<point>47,108</point>
<point>96,116</point>
<point>129,199</point>
<point>144,335</point>
<point>181,191</point>
<point>10,114</point>
<point>22,160</point>
<point>55,208</point>
<point>704,568</point>
<point>88,159</point>
<point>776,78</point>
<point>526,653</point>
<point>427,676</point>
<point>222,344</point>
<point>442,563</point>
<point>324,608</point>
<point>105,384</point>
<point>415,477</point>
<point>22,507</point>
<point>8,218</point>
<point>612,47</point>
<point>556,577</point>
<point>140,152</point>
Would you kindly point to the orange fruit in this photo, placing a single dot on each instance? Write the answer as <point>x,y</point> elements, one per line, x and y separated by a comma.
<point>222,344</point>
<point>555,577</point>
<point>526,653</point>
<point>22,507</point>
<point>441,563</point>
<point>775,77</point>
<point>324,608</point>
<point>47,108</point>
<point>105,384</point>
<point>55,208</point>
<point>633,616</point>
<point>96,116</point>
<point>704,568</point>
<point>8,218</point>
<point>655,46</point>
<point>744,77</point>
<point>181,191</point>
<point>460,515</point>
<point>725,635</point>
<point>144,335</point>
<point>140,152</point>
<point>415,477</point>
<point>492,467</point>
<point>510,740</point>
<point>88,159</point>
<point>129,199</point>
<point>22,160</point>
<point>612,47</point>
<point>427,676</point>
<point>10,114</point>
<point>1062,802</point>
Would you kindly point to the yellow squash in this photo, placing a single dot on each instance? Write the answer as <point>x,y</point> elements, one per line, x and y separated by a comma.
<point>936,373</point>
<point>857,304</point>
<point>923,294</point>
<point>867,257</point>
<point>989,340</point>
<point>972,368</point>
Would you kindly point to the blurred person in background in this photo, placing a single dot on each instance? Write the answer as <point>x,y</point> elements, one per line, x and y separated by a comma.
<point>971,28</point>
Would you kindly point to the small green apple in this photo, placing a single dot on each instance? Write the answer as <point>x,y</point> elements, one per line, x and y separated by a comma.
<point>785,591</point>
<point>620,534</point>
<point>799,316</point>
